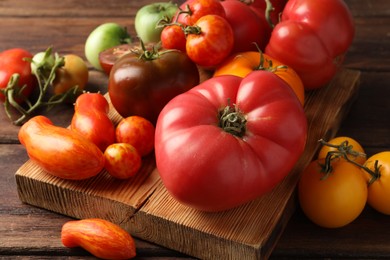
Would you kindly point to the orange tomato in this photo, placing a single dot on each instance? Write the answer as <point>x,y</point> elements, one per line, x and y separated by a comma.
<point>334,200</point>
<point>241,64</point>
<point>356,152</point>
<point>122,160</point>
<point>60,151</point>
<point>100,237</point>
<point>379,189</point>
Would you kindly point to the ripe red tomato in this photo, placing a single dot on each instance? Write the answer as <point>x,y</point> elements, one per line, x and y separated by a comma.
<point>247,33</point>
<point>173,37</point>
<point>229,140</point>
<point>191,10</point>
<point>209,41</point>
<point>137,131</point>
<point>142,83</point>
<point>122,160</point>
<point>91,119</point>
<point>13,61</point>
<point>312,38</point>
<point>100,237</point>
<point>334,200</point>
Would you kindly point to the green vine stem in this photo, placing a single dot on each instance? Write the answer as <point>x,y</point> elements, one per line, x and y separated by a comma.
<point>344,150</point>
<point>232,120</point>
<point>13,91</point>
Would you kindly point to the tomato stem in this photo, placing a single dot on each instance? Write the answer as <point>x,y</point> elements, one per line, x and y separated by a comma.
<point>13,91</point>
<point>268,9</point>
<point>232,120</point>
<point>270,66</point>
<point>343,151</point>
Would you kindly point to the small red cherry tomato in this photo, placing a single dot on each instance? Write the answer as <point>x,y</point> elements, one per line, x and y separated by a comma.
<point>137,131</point>
<point>173,37</point>
<point>209,41</point>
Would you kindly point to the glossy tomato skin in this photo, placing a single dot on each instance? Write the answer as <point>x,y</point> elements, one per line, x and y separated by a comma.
<point>137,131</point>
<point>122,160</point>
<point>313,37</point>
<point>195,9</point>
<point>173,37</point>
<point>243,63</point>
<point>60,151</point>
<point>247,33</point>
<point>336,200</point>
<point>209,169</point>
<point>213,44</point>
<point>101,238</point>
<point>142,87</point>
<point>91,119</point>
<point>379,190</point>
<point>11,62</point>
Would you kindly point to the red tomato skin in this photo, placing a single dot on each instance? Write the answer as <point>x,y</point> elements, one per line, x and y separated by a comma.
<point>60,151</point>
<point>11,61</point>
<point>312,38</point>
<point>208,169</point>
<point>253,30</point>
<point>213,44</point>
<point>173,37</point>
<point>137,131</point>
<point>91,119</point>
<point>198,9</point>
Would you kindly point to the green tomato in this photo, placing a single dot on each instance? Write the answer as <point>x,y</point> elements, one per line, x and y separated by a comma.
<point>104,36</point>
<point>147,18</point>
<point>43,60</point>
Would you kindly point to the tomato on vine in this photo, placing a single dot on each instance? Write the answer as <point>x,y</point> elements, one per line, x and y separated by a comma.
<point>377,172</point>
<point>332,197</point>
<point>209,41</point>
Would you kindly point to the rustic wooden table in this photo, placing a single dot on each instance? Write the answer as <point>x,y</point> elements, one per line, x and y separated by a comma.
<point>30,232</point>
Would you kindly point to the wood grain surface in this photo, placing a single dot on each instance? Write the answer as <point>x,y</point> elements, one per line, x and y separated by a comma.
<point>28,232</point>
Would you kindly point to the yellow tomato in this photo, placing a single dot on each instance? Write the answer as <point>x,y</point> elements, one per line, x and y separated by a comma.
<point>356,151</point>
<point>241,64</point>
<point>74,72</point>
<point>379,189</point>
<point>334,200</point>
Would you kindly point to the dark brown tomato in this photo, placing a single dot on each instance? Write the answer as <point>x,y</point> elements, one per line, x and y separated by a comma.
<point>142,85</point>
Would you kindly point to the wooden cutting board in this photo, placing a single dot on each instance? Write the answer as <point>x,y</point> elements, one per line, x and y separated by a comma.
<point>145,209</point>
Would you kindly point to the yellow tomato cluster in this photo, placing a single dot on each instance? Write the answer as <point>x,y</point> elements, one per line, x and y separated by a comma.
<point>335,188</point>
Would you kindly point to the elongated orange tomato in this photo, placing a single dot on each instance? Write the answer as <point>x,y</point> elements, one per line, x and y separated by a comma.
<point>100,237</point>
<point>241,64</point>
<point>60,151</point>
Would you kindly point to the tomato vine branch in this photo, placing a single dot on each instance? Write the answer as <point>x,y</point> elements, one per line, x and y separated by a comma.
<point>45,78</point>
<point>344,150</point>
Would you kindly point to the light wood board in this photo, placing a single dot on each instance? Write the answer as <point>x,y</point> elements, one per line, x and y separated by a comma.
<point>145,209</point>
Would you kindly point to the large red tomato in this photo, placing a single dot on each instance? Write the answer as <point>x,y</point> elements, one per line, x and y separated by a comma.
<point>312,38</point>
<point>229,140</point>
<point>247,26</point>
